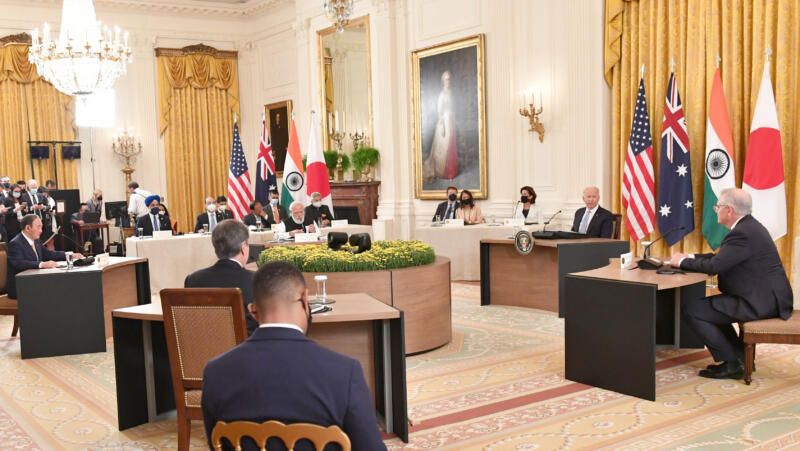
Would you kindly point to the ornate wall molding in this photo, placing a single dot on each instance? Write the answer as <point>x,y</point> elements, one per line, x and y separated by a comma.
<point>249,9</point>
<point>20,38</point>
<point>197,49</point>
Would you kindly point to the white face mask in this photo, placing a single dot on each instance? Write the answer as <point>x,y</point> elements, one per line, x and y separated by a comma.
<point>222,207</point>
<point>273,201</point>
<point>316,204</point>
<point>211,207</point>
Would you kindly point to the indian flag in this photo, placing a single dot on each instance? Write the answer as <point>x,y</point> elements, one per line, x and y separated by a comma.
<point>720,172</point>
<point>294,182</point>
<point>763,166</point>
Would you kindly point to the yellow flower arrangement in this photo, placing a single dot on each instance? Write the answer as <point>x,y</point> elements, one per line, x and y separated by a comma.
<point>383,255</point>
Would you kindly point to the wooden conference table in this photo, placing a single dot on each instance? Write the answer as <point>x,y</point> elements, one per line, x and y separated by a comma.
<point>536,280</point>
<point>617,318</point>
<point>359,326</point>
<point>69,312</point>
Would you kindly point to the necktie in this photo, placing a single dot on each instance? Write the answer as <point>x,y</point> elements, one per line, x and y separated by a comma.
<point>275,213</point>
<point>33,245</point>
<point>155,223</point>
<point>584,222</point>
<point>212,221</point>
<point>448,212</point>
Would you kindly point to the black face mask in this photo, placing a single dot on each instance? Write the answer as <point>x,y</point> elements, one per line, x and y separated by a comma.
<point>466,201</point>
<point>7,185</point>
<point>524,199</point>
<point>99,197</point>
<point>451,198</point>
<point>154,211</point>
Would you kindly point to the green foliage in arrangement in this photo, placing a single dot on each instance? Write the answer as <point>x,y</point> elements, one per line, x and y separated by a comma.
<point>364,157</point>
<point>331,156</point>
<point>383,255</point>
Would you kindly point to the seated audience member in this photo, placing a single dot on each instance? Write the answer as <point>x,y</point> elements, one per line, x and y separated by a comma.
<point>297,222</point>
<point>257,214</point>
<point>91,235</point>
<point>526,207</point>
<point>26,251</point>
<point>593,220</point>
<point>95,203</point>
<point>447,209</point>
<point>752,284</point>
<point>222,207</point>
<point>317,212</point>
<point>275,210</point>
<point>156,219</point>
<point>211,217</point>
<point>467,210</point>
<point>230,244</point>
<point>280,374</point>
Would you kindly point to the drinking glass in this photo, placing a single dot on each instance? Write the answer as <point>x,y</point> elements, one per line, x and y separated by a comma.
<point>68,258</point>
<point>205,229</point>
<point>437,219</point>
<point>492,219</point>
<point>322,293</point>
<point>258,223</point>
<point>140,232</point>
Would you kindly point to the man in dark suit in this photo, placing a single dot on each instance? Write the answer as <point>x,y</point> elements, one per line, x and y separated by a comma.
<point>593,220</point>
<point>230,244</point>
<point>222,207</point>
<point>318,212</point>
<point>26,251</point>
<point>297,221</point>
<point>211,217</point>
<point>275,211</point>
<point>37,204</point>
<point>280,374</point>
<point>752,281</point>
<point>257,214</point>
<point>447,209</point>
<point>156,219</point>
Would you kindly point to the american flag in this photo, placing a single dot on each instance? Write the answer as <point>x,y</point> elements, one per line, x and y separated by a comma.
<point>239,196</point>
<point>675,201</point>
<point>265,167</point>
<point>638,196</point>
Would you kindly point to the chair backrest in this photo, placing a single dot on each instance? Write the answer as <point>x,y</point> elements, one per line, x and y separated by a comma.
<point>3,267</point>
<point>200,324</point>
<point>616,225</point>
<point>320,436</point>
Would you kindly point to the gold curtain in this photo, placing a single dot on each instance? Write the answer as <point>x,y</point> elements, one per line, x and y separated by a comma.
<point>32,109</point>
<point>694,32</point>
<point>198,97</point>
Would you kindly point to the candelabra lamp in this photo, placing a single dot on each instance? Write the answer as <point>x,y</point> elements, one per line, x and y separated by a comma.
<point>357,138</point>
<point>533,113</point>
<point>338,138</point>
<point>127,147</point>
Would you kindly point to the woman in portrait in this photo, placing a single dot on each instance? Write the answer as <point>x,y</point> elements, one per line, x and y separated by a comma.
<point>468,211</point>
<point>442,161</point>
<point>526,207</point>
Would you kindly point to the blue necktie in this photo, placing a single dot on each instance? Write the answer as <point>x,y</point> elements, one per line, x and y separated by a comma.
<point>155,223</point>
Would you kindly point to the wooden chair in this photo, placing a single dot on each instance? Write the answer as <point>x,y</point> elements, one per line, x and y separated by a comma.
<point>616,225</point>
<point>773,330</point>
<point>8,306</point>
<point>199,324</point>
<point>260,432</point>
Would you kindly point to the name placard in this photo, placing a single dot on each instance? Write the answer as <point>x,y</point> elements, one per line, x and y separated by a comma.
<point>514,222</point>
<point>305,238</point>
<point>454,223</point>
<point>161,234</point>
<point>339,222</point>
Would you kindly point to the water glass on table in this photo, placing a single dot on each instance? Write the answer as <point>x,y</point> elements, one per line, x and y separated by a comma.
<point>68,257</point>
<point>205,229</point>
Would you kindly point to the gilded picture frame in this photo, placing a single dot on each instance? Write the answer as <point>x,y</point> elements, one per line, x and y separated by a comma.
<point>279,118</point>
<point>449,118</point>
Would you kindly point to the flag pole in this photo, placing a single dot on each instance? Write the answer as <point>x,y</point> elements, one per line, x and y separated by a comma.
<point>672,65</point>
<point>768,53</point>
<point>718,60</point>
<point>642,70</point>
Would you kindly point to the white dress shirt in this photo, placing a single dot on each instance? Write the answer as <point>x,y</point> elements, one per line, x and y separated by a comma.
<point>32,244</point>
<point>284,325</point>
<point>136,204</point>
<point>692,255</point>
<point>590,213</point>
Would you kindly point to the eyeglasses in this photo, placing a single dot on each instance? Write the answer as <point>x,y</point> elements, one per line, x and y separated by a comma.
<point>717,207</point>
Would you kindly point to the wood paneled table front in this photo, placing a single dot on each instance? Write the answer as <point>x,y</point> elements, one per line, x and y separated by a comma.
<point>359,326</point>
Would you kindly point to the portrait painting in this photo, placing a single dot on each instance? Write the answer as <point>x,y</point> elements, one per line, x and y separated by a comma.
<point>279,117</point>
<point>449,118</point>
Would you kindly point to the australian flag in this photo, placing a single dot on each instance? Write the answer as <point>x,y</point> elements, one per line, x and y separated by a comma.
<point>266,180</point>
<point>675,201</point>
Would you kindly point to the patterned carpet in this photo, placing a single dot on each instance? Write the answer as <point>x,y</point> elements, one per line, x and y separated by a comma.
<point>497,386</point>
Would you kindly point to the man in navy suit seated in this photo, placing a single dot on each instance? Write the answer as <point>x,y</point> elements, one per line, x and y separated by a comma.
<point>26,251</point>
<point>593,220</point>
<point>280,374</point>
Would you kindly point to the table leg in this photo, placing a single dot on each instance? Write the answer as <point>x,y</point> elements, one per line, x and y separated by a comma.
<point>149,372</point>
<point>387,376</point>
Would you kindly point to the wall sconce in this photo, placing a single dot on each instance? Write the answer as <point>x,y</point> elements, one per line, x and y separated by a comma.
<point>532,113</point>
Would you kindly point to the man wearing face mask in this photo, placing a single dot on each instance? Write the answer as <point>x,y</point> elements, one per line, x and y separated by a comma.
<point>230,245</point>
<point>156,219</point>
<point>280,374</point>
<point>5,186</point>
<point>15,210</point>
<point>222,207</point>
<point>4,206</point>
<point>275,211</point>
<point>297,221</point>
<point>447,209</point>
<point>317,212</point>
<point>211,217</point>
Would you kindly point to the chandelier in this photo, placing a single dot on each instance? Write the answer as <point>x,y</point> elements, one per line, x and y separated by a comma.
<point>86,58</point>
<point>338,12</point>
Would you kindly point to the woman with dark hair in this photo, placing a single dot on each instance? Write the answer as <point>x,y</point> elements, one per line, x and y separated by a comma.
<point>468,211</point>
<point>14,213</point>
<point>526,207</point>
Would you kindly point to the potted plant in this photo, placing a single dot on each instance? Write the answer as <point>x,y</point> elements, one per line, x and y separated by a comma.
<point>331,160</point>
<point>364,159</point>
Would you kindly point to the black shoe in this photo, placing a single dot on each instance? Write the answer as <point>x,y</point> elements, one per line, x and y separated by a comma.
<point>727,370</point>
<point>712,366</point>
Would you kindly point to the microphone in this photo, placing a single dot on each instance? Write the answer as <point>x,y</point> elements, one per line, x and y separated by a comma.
<point>86,247</point>
<point>650,263</point>
<point>514,209</point>
<point>549,220</point>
